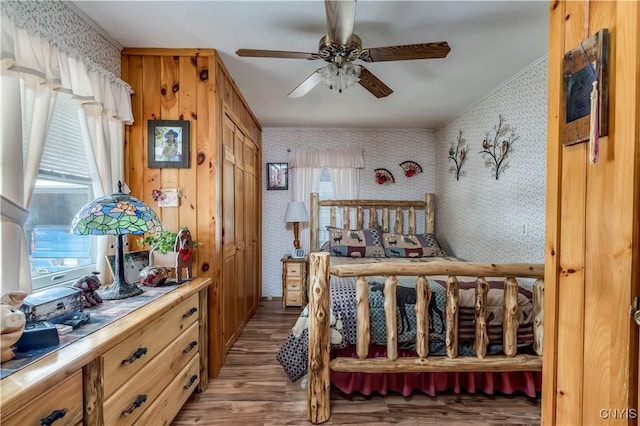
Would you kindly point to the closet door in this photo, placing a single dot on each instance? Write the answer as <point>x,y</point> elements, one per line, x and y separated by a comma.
<point>229,265</point>
<point>251,224</point>
<point>241,270</point>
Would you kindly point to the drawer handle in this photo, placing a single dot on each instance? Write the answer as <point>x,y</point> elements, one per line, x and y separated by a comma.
<point>55,415</point>
<point>192,380</point>
<point>137,354</point>
<point>190,312</point>
<point>141,399</point>
<point>190,347</point>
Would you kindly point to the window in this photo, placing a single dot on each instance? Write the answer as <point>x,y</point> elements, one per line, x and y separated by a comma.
<point>325,192</point>
<point>63,186</point>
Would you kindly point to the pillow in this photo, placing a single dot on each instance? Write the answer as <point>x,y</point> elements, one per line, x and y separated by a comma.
<point>419,245</point>
<point>355,242</point>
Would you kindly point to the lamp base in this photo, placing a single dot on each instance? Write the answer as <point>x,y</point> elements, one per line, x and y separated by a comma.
<point>120,290</point>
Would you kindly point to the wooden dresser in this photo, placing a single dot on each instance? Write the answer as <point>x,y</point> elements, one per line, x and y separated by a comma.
<point>294,281</point>
<point>139,369</point>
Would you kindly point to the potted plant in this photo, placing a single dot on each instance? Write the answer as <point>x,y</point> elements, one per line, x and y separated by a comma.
<point>162,247</point>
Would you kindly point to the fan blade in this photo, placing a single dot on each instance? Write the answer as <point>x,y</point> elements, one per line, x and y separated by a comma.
<point>408,51</point>
<point>308,84</point>
<point>373,84</point>
<point>340,18</point>
<point>257,53</point>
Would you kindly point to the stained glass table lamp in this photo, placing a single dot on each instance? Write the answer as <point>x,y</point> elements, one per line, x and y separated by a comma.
<point>117,214</point>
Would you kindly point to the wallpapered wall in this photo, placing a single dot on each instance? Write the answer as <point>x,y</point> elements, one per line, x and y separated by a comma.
<point>478,217</point>
<point>68,29</point>
<point>382,149</point>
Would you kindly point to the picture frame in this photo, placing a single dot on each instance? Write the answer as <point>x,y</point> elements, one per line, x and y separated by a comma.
<point>582,65</point>
<point>134,262</point>
<point>168,144</point>
<point>277,176</point>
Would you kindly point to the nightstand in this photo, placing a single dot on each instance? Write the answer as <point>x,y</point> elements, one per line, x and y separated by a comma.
<point>294,281</point>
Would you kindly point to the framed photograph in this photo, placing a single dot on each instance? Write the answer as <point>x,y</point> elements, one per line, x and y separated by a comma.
<point>168,144</point>
<point>133,261</point>
<point>277,175</point>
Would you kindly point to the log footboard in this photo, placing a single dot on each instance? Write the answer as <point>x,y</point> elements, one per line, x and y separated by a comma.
<point>320,365</point>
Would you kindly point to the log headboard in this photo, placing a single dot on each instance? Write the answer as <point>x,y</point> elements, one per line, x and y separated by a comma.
<point>373,209</point>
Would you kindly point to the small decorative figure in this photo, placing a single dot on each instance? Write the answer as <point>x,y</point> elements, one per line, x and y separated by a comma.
<point>184,259</point>
<point>89,284</point>
<point>153,276</point>
<point>12,321</point>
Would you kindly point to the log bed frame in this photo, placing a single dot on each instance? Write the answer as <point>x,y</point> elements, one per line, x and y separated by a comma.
<point>319,363</point>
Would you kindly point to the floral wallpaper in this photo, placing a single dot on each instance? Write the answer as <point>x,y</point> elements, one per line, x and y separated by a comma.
<point>69,31</point>
<point>382,149</point>
<point>479,218</point>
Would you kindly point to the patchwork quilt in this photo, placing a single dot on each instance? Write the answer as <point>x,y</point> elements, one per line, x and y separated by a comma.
<point>293,353</point>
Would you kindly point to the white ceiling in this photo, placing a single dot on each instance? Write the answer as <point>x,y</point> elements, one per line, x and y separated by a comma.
<point>490,42</point>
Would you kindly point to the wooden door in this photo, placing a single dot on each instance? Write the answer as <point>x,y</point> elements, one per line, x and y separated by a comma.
<point>590,372</point>
<point>241,270</point>
<point>251,224</point>
<point>229,268</point>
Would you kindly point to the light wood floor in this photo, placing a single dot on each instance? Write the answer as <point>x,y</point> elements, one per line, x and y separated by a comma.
<point>252,389</point>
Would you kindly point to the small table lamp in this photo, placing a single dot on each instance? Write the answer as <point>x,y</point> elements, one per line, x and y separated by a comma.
<point>117,214</point>
<point>296,213</point>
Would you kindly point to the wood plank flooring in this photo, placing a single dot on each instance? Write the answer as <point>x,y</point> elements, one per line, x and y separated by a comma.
<point>252,389</point>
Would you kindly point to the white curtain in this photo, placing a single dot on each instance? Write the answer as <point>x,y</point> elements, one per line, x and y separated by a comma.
<point>305,181</point>
<point>30,58</point>
<point>307,166</point>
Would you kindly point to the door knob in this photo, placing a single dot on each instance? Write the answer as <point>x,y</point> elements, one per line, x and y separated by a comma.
<point>636,316</point>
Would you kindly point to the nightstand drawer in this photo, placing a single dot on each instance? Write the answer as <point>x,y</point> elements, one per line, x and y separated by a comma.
<point>294,298</point>
<point>294,284</point>
<point>294,269</point>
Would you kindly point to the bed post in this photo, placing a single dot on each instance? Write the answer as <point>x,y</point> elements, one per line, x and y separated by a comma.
<point>315,222</point>
<point>318,384</point>
<point>429,213</point>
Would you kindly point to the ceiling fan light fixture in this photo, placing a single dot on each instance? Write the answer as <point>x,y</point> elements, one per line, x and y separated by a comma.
<point>340,77</point>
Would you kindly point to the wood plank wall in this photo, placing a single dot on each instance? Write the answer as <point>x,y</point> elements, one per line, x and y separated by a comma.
<point>194,85</point>
<point>592,272</point>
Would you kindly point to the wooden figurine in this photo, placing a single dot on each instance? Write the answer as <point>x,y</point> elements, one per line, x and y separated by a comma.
<point>184,259</point>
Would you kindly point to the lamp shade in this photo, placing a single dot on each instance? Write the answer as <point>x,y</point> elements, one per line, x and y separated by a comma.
<point>296,212</point>
<point>116,214</point>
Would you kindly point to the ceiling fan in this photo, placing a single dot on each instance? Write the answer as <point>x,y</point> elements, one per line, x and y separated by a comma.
<point>341,47</point>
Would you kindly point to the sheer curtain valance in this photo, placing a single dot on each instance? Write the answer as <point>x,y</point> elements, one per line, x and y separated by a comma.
<point>329,158</point>
<point>26,49</point>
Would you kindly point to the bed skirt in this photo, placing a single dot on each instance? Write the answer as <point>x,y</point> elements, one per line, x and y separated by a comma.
<point>490,383</point>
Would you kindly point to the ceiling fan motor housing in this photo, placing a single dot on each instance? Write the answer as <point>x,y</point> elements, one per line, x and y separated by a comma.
<point>334,52</point>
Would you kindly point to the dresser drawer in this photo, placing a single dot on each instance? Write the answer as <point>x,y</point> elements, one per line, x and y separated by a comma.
<point>169,403</point>
<point>65,397</point>
<point>294,269</point>
<point>133,354</point>
<point>131,400</point>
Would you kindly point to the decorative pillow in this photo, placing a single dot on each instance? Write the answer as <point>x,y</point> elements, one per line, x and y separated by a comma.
<point>419,245</point>
<point>355,242</point>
